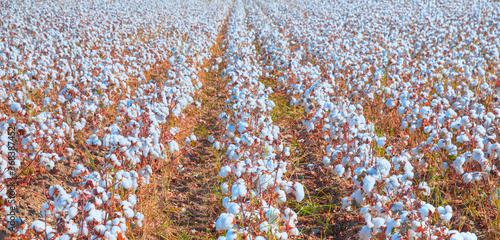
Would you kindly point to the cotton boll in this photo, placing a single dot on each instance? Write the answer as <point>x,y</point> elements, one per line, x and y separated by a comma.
<point>426,189</point>
<point>225,171</point>
<point>174,146</point>
<point>389,151</point>
<point>377,223</point>
<point>339,170</point>
<point>467,177</point>
<point>129,213</point>
<point>233,208</point>
<point>224,222</point>
<point>455,235</point>
<point>282,236</point>
<point>40,227</point>
<point>392,224</point>
<point>346,203</point>
<point>426,211</point>
<point>294,232</point>
<point>298,191</point>
<point>381,142</point>
<point>224,187</point>
<point>281,196</point>
<point>450,113</point>
<point>365,233</point>
<point>358,196</point>
<point>368,184</point>
<point>446,213</point>
<point>217,145</point>
<point>238,189</point>
<point>390,103</point>
<point>272,214</point>
<point>468,236</point>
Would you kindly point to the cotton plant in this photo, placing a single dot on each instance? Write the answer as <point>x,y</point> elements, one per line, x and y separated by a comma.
<point>93,209</point>
<point>253,177</point>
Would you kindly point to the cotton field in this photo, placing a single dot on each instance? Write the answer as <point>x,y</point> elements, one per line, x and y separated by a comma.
<point>250,119</point>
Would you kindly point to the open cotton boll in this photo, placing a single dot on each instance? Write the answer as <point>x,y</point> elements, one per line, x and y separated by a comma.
<point>445,213</point>
<point>224,222</point>
<point>365,233</point>
<point>425,188</point>
<point>377,223</point>
<point>281,196</point>
<point>467,177</point>
<point>193,137</point>
<point>390,103</point>
<point>346,203</point>
<point>217,145</point>
<point>339,170</point>
<point>381,142</point>
<point>238,189</point>
<point>16,107</point>
<point>426,211</point>
<point>174,146</point>
<point>298,191</point>
<point>450,113</point>
<point>326,161</point>
<point>233,208</point>
<point>225,201</point>
<point>282,236</point>
<point>265,227</point>
<point>455,235</point>
<point>392,224</point>
<point>368,184</point>
<point>232,234</point>
<point>225,171</point>
<point>289,215</point>
<point>224,187</point>
<point>272,215</point>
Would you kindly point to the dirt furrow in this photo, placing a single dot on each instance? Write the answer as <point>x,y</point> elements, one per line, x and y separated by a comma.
<point>185,197</point>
